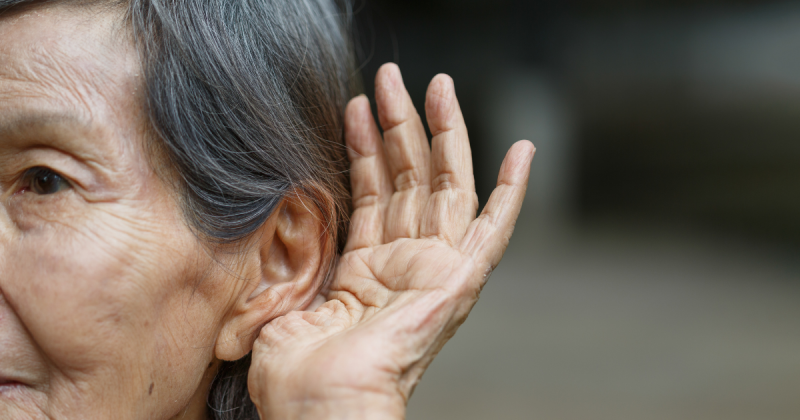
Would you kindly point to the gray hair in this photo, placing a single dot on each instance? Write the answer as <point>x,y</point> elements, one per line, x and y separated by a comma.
<point>246,100</point>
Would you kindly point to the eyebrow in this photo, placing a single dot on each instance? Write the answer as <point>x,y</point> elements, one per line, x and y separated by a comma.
<point>18,123</point>
<point>63,131</point>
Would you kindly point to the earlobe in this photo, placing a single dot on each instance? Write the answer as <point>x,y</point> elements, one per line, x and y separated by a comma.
<point>290,256</point>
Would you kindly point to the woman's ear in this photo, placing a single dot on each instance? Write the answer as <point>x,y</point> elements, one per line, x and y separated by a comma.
<point>290,256</point>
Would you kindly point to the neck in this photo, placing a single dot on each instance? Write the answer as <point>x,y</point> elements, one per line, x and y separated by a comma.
<point>197,409</point>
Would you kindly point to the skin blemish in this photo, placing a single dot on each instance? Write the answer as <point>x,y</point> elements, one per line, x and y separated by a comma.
<point>150,391</point>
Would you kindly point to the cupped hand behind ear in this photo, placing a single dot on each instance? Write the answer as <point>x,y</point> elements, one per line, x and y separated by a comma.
<point>414,265</point>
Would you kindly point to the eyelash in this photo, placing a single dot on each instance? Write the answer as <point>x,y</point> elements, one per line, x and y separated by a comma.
<point>43,181</point>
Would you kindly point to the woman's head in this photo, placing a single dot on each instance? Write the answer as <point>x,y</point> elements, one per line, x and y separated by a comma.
<point>171,177</point>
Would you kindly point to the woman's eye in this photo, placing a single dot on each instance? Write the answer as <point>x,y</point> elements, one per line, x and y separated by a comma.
<point>44,181</point>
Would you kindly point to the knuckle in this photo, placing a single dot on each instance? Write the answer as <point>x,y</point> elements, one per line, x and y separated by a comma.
<point>444,181</point>
<point>408,179</point>
<point>266,333</point>
<point>367,200</point>
<point>397,117</point>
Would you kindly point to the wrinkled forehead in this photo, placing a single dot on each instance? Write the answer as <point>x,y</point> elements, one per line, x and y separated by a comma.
<point>63,58</point>
<point>70,66</point>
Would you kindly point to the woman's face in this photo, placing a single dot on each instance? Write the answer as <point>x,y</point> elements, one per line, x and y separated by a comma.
<point>106,297</point>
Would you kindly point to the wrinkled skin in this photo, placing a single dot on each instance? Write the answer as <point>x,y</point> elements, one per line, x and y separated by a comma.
<point>96,301</point>
<point>415,263</point>
<point>110,307</point>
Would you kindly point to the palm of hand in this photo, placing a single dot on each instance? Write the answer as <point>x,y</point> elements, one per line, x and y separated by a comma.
<point>414,265</point>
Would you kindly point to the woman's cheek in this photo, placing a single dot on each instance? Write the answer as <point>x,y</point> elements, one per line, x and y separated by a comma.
<point>84,286</point>
<point>64,294</point>
<point>29,211</point>
<point>108,293</point>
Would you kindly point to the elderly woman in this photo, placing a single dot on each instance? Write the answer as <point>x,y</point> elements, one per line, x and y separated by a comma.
<point>176,234</point>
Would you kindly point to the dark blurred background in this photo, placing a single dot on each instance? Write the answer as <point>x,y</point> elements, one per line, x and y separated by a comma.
<point>654,273</point>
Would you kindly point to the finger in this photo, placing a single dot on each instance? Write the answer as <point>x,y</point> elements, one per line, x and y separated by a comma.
<point>369,176</point>
<point>407,152</point>
<point>487,237</point>
<point>453,201</point>
<point>318,301</point>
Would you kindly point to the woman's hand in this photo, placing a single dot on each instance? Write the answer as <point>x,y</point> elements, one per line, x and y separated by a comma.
<point>415,262</point>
